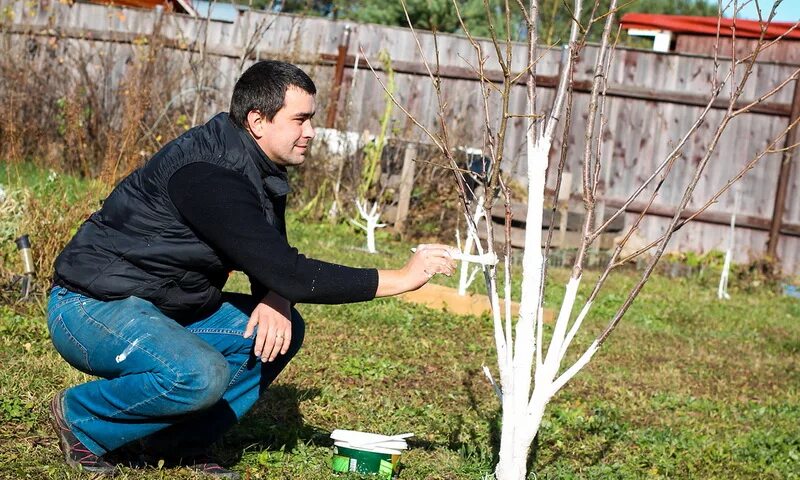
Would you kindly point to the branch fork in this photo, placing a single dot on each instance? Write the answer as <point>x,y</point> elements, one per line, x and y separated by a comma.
<point>371,218</point>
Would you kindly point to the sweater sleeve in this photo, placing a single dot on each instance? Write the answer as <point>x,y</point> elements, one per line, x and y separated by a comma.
<point>222,207</point>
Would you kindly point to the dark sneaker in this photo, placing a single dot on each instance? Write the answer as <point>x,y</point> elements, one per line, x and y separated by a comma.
<point>75,452</point>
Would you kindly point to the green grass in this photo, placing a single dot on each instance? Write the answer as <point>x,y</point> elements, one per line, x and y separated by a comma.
<point>687,387</point>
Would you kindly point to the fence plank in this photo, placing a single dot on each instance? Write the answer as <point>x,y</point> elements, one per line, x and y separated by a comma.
<point>406,186</point>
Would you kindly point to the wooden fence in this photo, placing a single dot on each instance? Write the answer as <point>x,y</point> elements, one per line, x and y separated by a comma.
<point>653,98</point>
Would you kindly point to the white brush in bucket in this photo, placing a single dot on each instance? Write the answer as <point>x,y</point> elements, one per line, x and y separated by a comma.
<point>363,439</point>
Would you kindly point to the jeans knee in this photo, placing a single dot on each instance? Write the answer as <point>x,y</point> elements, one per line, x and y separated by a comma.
<point>203,382</point>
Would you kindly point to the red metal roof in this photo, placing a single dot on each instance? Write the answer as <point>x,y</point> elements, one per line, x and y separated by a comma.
<point>707,25</point>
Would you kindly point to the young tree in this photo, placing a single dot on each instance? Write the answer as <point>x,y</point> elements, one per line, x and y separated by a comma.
<point>530,374</point>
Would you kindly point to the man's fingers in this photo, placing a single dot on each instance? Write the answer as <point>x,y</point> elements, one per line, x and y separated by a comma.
<point>282,340</point>
<point>443,252</point>
<point>270,319</point>
<point>441,266</point>
<point>261,337</point>
<point>251,324</point>
<point>277,342</point>
<point>269,344</point>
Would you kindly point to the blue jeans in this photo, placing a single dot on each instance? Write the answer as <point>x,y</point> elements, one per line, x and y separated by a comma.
<point>169,384</point>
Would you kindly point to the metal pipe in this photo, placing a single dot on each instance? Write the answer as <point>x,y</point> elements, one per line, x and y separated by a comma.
<point>783,177</point>
<point>28,269</point>
<point>24,247</point>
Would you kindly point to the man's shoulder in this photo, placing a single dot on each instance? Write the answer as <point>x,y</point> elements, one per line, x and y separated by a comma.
<point>203,143</point>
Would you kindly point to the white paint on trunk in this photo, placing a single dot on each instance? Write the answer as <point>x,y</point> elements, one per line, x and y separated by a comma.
<point>553,360</point>
<point>575,368</point>
<point>722,290</point>
<point>487,259</point>
<point>575,327</point>
<point>494,385</point>
<point>466,277</point>
<point>517,431</point>
<point>372,224</point>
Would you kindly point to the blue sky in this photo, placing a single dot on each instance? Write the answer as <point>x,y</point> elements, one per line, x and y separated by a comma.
<point>788,10</point>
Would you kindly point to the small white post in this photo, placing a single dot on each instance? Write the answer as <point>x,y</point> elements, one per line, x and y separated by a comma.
<point>722,290</point>
<point>371,218</point>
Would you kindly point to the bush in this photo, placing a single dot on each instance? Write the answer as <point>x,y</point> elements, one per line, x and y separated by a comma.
<point>90,108</point>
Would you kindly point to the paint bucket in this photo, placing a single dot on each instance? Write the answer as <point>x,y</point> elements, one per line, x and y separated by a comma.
<point>382,461</point>
<point>367,453</point>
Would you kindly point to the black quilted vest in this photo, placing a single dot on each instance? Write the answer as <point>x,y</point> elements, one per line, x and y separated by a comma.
<point>137,244</point>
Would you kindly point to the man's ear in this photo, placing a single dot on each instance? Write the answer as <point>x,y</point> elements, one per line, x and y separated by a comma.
<point>256,122</point>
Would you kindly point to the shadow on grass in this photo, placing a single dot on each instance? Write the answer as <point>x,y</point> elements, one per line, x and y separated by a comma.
<point>275,423</point>
<point>602,431</point>
<point>600,434</point>
<point>468,437</point>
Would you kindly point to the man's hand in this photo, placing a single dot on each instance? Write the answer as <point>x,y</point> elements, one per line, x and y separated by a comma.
<point>424,264</point>
<point>272,316</point>
<point>427,261</point>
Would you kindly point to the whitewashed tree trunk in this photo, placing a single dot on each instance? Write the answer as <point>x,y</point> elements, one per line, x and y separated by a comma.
<point>466,276</point>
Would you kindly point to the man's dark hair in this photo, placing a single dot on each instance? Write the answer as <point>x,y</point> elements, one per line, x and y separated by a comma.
<point>262,87</point>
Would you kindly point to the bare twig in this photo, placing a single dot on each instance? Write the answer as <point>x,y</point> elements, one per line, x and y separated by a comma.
<point>254,38</point>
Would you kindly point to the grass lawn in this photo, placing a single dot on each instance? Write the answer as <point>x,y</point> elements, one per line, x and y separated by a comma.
<point>687,387</point>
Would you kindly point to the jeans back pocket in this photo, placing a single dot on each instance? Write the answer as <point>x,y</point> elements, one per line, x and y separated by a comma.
<point>67,345</point>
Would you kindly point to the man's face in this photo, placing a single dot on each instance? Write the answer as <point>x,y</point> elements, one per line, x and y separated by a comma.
<point>285,139</point>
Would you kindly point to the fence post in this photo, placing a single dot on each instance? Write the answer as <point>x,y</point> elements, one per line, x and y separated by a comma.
<point>338,77</point>
<point>406,186</point>
<point>783,177</point>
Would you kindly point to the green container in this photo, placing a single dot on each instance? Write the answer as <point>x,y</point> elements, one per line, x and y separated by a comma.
<point>382,462</point>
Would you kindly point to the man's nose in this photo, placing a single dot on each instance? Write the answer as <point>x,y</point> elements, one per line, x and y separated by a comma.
<point>308,131</point>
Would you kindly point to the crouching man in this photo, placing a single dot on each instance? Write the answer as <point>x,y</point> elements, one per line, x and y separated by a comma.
<point>137,294</point>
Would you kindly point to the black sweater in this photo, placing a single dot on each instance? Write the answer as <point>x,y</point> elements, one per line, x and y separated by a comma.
<point>223,209</point>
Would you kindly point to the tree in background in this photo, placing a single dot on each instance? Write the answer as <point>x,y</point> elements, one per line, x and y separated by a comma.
<point>433,15</point>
